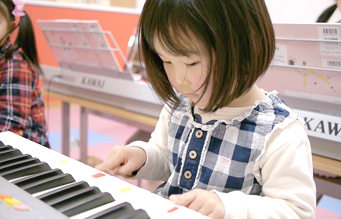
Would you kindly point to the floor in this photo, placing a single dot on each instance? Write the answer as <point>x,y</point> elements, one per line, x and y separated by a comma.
<point>104,133</point>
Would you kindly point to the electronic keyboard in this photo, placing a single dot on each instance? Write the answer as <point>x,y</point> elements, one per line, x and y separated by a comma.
<point>37,182</point>
<point>136,96</point>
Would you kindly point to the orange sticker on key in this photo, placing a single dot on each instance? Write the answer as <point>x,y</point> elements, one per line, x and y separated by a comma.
<point>3,196</point>
<point>172,210</point>
<point>98,175</point>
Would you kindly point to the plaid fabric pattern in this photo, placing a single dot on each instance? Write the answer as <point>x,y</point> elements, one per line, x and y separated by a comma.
<point>219,155</point>
<point>21,103</point>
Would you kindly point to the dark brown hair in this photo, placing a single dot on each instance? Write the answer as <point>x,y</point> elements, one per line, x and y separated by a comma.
<point>25,38</point>
<point>326,14</point>
<point>236,36</point>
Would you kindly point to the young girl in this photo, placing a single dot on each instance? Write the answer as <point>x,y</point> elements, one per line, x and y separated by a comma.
<point>223,146</point>
<point>21,103</point>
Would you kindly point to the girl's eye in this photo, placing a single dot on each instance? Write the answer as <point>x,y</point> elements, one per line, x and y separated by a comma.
<point>165,62</point>
<point>192,64</point>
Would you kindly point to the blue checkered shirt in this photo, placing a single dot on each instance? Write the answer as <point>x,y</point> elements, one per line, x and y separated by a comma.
<point>219,155</point>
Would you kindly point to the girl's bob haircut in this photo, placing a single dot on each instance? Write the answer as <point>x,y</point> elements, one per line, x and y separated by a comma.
<point>236,37</point>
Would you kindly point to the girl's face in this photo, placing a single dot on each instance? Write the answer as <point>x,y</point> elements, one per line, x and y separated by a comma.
<point>186,74</point>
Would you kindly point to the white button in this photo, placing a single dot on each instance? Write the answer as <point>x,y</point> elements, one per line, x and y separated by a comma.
<point>193,154</point>
<point>188,174</point>
<point>199,134</point>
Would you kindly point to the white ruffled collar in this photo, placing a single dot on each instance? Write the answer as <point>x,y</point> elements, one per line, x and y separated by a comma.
<point>229,110</point>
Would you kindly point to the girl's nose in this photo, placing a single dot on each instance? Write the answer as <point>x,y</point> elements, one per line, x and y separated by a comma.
<point>181,76</point>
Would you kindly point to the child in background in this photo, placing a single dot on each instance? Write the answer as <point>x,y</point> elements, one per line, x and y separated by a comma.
<point>332,14</point>
<point>21,103</point>
<point>223,146</point>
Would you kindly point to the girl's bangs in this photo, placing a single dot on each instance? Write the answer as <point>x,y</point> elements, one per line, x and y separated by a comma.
<point>171,28</point>
<point>176,41</point>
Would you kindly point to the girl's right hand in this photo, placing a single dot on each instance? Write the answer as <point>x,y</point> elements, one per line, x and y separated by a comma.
<point>124,161</point>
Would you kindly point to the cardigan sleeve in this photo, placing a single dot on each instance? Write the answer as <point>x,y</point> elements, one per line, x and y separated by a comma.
<point>287,176</point>
<point>157,165</point>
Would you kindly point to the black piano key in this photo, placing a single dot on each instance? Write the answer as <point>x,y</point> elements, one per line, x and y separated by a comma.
<point>65,198</point>
<point>26,170</point>
<point>138,214</point>
<point>6,147</point>
<point>68,200</point>
<point>48,183</point>
<point>9,153</point>
<point>14,159</point>
<point>81,204</point>
<point>113,212</point>
<point>36,177</point>
<point>51,196</point>
<point>18,164</point>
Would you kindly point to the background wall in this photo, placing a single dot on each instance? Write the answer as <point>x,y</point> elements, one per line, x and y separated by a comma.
<point>121,22</point>
<point>296,11</point>
<point>299,11</point>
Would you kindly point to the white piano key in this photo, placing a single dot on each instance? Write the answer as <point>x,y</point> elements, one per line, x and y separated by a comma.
<point>95,210</point>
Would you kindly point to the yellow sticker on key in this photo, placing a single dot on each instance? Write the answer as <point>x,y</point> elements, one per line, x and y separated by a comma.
<point>64,161</point>
<point>10,201</point>
<point>125,189</point>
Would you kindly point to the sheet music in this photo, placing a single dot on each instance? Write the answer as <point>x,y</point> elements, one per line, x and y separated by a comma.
<point>82,45</point>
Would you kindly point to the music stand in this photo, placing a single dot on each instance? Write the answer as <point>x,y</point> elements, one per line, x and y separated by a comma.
<point>82,45</point>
